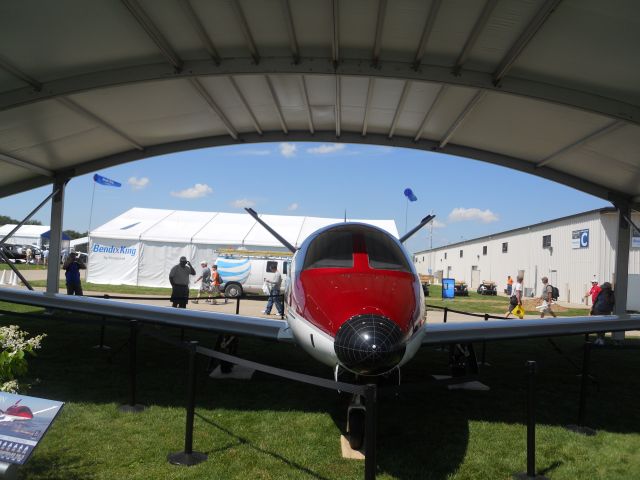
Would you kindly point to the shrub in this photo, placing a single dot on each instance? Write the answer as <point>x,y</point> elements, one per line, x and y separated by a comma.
<point>15,345</point>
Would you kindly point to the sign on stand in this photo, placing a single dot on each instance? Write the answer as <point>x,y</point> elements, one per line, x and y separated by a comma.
<point>448,287</point>
<point>23,422</point>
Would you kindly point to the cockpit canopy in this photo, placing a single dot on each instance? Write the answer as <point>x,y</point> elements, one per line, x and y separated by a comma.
<point>335,248</point>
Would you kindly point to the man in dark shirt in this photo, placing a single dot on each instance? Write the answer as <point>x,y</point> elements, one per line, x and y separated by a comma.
<point>179,279</point>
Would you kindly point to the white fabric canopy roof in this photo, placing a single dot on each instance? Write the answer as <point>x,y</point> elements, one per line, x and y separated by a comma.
<point>216,228</point>
<point>549,87</point>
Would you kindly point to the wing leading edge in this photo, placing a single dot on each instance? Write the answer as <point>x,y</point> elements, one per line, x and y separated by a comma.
<point>218,322</point>
<point>447,333</point>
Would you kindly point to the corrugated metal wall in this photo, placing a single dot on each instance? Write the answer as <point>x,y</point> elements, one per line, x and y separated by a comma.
<point>570,269</point>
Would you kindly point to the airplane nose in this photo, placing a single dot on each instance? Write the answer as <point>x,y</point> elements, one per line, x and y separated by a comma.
<point>369,344</point>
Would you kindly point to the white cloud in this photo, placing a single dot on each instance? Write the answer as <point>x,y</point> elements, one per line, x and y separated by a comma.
<point>243,203</point>
<point>288,149</point>
<point>197,191</point>
<point>292,207</point>
<point>326,148</point>
<point>138,183</point>
<point>466,214</point>
<point>437,224</point>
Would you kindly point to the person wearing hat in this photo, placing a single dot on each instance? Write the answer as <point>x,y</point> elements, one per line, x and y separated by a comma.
<point>72,267</point>
<point>595,290</point>
<point>205,286</point>
<point>179,279</point>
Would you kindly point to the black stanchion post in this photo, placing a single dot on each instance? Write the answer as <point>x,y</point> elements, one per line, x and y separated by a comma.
<point>101,345</point>
<point>371,421</point>
<point>531,426</point>
<point>483,362</point>
<point>584,388</point>
<point>132,407</point>
<point>446,310</point>
<point>238,306</point>
<point>189,457</point>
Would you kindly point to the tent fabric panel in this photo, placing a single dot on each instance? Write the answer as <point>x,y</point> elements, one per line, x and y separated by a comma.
<point>131,224</point>
<point>158,258</point>
<point>179,226</point>
<point>287,226</point>
<point>113,262</point>
<point>225,229</point>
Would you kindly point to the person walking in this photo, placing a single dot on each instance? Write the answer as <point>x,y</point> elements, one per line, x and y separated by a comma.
<point>515,299</point>
<point>605,301</point>
<point>273,279</point>
<point>72,269</point>
<point>205,286</point>
<point>509,285</point>
<point>216,281</point>
<point>547,298</point>
<point>45,255</point>
<point>179,279</point>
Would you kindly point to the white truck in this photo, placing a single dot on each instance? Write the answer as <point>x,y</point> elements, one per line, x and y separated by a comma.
<point>244,271</point>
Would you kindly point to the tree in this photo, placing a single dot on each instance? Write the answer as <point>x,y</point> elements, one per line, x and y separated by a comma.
<point>72,234</point>
<point>4,220</point>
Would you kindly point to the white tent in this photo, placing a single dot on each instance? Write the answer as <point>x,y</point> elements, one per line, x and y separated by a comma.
<point>140,246</point>
<point>29,235</point>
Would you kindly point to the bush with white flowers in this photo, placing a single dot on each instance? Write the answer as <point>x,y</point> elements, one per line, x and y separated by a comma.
<point>15,345</point>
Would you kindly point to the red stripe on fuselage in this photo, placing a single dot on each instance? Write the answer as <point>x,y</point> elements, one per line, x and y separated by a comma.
<point>327,297</point>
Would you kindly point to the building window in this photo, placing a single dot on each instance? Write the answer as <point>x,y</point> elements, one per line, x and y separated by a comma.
<point>546,241</point>
<point>484,250</point>
<point>505,247</point>
<point>445,255</point>
<point>460,253</point>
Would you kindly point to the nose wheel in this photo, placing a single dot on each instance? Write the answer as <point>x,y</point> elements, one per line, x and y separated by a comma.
<point>356,415</point>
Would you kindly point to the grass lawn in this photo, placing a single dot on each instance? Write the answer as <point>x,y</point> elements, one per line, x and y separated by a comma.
<point>22,266</point>
<point>271,428</point>
<point>477,303</point>
<point>127,289</point>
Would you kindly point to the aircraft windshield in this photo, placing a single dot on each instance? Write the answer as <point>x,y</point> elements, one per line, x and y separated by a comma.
<point>384,253</point>
<point>332,249</point>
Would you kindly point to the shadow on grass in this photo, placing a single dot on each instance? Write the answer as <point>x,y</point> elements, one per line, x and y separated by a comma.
<point>54,467</point>
<point>422,434</point>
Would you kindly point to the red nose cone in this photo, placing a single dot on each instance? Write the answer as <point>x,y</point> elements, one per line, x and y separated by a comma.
<point>19,411</point>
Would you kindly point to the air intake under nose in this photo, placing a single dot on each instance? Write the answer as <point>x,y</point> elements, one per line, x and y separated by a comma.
<point>369,344</point>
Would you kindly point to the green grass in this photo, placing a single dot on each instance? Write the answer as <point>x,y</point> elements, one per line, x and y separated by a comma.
<point>271,428</point>
<point>128,289</point>
<point>23,266</point>
<point>477,303</point>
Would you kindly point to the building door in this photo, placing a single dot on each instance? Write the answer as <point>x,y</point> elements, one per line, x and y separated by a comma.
<point>475,277</point>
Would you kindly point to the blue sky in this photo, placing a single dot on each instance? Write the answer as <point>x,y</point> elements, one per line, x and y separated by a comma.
<point>470,198</point>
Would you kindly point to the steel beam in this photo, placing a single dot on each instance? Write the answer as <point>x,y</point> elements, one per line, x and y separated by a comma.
<point>204,37</point>
<point>214,106</point>
<point>335,28</point>
<point>338,107</point>
<point>276,104</point>
<point>400,107</point>
<point>377,43</point>
<point>427,115</point>
<point>615,125</point>
<point>71,105</point>
<point>515,163</point>
<point>55,235</point>
<point>557,94</point>
<point>7,66</point>
<point>473,36</point>
<point>243,100</point>
<point>307,105</point>
<point>523,40</point>
<point>26,165</point>
<point>458,121</point>
<point>293,40</point>
<point>426,33</point>
<point>244,26</point>
<point>154,33</point>
<point>367,106</point>
<point>622,258</point>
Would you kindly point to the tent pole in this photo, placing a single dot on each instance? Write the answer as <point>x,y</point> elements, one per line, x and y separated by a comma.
<point>55,235</point>
<point>622,263</point>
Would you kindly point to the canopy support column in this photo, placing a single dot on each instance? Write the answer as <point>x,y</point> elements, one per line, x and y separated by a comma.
<point>55,236</point>
<point>622,263</point>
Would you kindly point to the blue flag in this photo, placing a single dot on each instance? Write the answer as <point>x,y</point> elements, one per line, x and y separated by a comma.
<point>410,195</point>
<point>106,181</point>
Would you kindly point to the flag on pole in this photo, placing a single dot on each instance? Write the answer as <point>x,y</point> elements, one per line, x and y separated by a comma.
<point>410,195</point>
<point>106,181</point>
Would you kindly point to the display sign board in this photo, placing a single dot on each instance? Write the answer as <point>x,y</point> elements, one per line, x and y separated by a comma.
<point>23,422</point>
<point>580,238</point>
<point>448,287</point>
<point>635,238</point>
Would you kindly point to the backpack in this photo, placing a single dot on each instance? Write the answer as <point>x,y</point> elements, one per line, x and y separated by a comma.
<point>555,293</point>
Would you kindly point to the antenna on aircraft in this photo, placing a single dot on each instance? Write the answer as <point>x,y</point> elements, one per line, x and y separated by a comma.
<point>279,237</point>
<point>422,223</point>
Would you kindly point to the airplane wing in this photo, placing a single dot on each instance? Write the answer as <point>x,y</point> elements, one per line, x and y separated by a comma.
<point>177,317</point>
<point>469,332</point>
